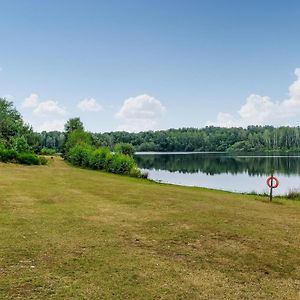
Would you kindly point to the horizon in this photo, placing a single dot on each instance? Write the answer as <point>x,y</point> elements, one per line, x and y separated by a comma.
<point>140,66</point>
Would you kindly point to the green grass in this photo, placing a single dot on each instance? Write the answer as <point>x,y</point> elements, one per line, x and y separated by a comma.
<point>70,233</point>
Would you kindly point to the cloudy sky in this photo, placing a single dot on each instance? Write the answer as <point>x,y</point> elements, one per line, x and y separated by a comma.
<point>138,65</point>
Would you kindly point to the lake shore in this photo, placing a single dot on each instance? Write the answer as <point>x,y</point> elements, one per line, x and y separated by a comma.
<point>223,171</point>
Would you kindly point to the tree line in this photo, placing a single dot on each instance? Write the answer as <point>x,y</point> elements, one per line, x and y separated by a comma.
<point>15,134</point>
<point>208,139</point>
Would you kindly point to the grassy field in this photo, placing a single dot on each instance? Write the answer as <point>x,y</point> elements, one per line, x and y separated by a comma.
<point>70,233</point>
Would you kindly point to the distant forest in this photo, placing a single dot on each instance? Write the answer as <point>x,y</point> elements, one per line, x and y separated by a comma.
<point>250,139</point>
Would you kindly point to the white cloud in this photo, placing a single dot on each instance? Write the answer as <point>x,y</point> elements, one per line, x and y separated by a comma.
<point>43,115</point>
<point>49,107</point>
<point>54,125</point>
<point>89,105</point>
<point>140,113</point>
<point>31,101</point>
<point>261,110</point>
<point>43,108</point>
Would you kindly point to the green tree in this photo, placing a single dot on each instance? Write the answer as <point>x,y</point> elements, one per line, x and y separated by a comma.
<point>73,124</point>
<point>11,122</point>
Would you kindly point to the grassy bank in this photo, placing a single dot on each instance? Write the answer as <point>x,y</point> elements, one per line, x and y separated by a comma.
<point>70,233</point>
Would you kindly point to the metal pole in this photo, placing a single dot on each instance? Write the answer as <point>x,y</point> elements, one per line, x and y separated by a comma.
<point>271,188</point>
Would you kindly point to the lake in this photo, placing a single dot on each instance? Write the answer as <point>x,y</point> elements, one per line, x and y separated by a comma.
<point>237,173</point>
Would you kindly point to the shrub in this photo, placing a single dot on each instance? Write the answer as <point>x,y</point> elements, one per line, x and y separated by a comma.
<point>79,155</point>
<point>47,151</point>
<point>121,164</point>
<point>8,155</point>
<point>136,172</point>
<point>84,155</point>
<point>98,158</point>
<point>28,159</point>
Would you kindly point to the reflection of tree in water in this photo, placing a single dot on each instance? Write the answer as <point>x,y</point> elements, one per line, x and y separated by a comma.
<point>219,163</point>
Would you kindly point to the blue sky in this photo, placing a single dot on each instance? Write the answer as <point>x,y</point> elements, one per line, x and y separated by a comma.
<point>139,65</point>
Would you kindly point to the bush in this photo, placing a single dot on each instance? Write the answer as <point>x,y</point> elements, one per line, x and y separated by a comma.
<point>84,155</point>
<point>47,151</point>
<point>98,158</point>
<point>28,159</point>
<point>121,164</point>
<point>136,172</point>
<point>8,155</point>
<point>80,155</point>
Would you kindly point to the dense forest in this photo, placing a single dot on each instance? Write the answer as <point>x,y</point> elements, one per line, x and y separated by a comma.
<point>250,139</point>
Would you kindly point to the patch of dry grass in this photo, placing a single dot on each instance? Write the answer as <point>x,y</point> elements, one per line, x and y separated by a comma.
<point>70,233</point>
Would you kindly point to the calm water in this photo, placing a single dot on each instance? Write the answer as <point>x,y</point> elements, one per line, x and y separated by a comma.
<point>238,173</point>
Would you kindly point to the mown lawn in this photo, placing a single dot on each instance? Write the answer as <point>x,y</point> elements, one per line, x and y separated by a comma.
<point>70,233</point>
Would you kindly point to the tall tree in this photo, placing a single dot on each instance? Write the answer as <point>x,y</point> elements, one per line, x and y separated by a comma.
<point>73,124</point>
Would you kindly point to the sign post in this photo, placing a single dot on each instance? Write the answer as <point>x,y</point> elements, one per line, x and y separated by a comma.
<point>272,183</point>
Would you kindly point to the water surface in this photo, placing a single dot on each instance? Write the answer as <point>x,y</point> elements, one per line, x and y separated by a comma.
<point>238,173</point>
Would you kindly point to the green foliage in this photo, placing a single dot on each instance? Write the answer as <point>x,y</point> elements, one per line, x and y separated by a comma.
<point>252,138</point>
<point>73,124</point>
<point>136,172</point>
<point>79,155</point>
<point>84,155</point>
<point>76,137</point>
<point>11,123</point>
<point>17,140</point>
<point>47,151</point>
<point>20,144</point>
<point>8,155</point>
<point>124,148</point>
<point>11,155</point>
<point>51,140</point>
<point>121,164</point>
<point>2,144</point>
<point>99,158</point>
<point>12,126</point>
<point>28,159</point>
